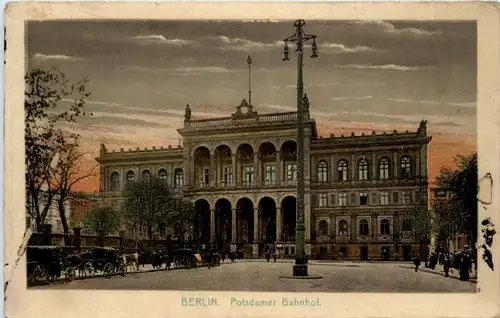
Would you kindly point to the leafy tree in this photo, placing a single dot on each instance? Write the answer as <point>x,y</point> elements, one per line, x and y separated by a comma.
<point>145,206</point>
<point>182,217</point>
<point>67,174</point>
<point>44,140</point>
<point>102,220</point>
<point>462,184</point>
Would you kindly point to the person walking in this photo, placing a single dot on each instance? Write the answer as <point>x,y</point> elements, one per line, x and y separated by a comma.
<point>417,263</point>
<point>447,266</point>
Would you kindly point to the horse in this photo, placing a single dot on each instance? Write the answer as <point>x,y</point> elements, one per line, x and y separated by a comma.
<point>132,259</point>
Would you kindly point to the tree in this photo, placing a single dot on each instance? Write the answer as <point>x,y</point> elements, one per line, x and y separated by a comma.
<point>44,140</point>
<point>102,220</point>
<point>462,184</point>
<point>67,174</point>
<point>146,204</point>
<point>422,222</point>
<point>182,216</point>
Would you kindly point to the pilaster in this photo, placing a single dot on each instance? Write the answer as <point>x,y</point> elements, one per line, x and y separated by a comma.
<point>279,167</point>
<point>256,167</point>
<point>212,223</point>
<point>234,165</point>
<point>212,170</point>
<point>279,219</point>
<point>234,237</point>
<point>256,234</point>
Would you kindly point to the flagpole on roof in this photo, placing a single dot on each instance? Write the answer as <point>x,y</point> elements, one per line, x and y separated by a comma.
<point>249,62</point>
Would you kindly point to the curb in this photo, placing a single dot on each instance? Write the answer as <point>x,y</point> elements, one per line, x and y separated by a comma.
<point>438,272</point>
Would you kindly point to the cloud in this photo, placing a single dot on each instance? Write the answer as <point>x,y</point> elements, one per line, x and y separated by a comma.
<point>55,57</point>
<point>391,67</point>
<point>341,48</point>
<point>351,98</point>
<point>241,44</point>
<point>390,28</point>
<point>160,39</point>
<point>432,102</point>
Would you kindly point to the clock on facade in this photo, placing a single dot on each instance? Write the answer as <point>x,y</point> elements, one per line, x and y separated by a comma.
<point>244,109</point>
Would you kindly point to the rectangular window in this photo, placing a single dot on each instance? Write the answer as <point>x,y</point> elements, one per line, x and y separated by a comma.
<point>270,174</point>
<point>249,175</point>
<point>363,198</point>
<point>395,197</point>
<point>291,171</point>
<point>332,197</point>
<point>406,197</point>
<point>343,199</point>
<point>228,175</point>
<point>353,199</point>
<point>384,198</point>
<point>323,199</point>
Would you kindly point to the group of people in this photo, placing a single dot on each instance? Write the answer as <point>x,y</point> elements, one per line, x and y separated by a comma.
<point>461,261</point>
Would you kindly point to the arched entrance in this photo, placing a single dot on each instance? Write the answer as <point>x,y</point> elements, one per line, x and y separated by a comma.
<point>202,221</point>
<point>224,166</point>
<point>267,219</point>
<point>202,167</point>
<point>244,224</point>
<point>223,222</point>
<point>289,214</point>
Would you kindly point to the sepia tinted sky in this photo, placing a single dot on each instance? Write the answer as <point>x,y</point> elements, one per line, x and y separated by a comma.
<point>370,75</point>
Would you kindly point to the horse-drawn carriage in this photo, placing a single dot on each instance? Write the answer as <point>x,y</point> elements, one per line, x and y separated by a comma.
<point>88,263</point>
<point>44,264</point>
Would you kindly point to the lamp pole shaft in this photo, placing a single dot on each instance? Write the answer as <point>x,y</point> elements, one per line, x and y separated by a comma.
<point>300,268</point>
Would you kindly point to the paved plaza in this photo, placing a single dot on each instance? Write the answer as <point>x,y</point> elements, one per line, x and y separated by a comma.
<point>261,276</point>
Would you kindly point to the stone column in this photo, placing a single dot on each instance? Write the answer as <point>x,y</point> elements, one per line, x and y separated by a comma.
<point>278,168</point>
<point>395,164</point>
<point>256,165</point>
<point>423,160</point>
<point>314,170</point>
<point>256,234</point>
<point>219,168</point>
<point>332,167</point>
<point>417,164</point>
<point>192,172</point>
<point>374,167</point>
<point>353,168</point>
<point>279,219</point>
<point>234,221</point>
<point>213,174</point>
<point>233,158</point>
<point>212,224</point>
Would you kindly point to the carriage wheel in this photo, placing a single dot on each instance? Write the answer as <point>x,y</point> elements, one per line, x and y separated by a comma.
<point>69,274</point>
<point>108,270</point>
<point>88,270</point>
<point>40,275</point>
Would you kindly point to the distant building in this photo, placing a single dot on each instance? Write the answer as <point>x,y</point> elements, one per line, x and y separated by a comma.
<point>240,172</point>
<point>53,218</point>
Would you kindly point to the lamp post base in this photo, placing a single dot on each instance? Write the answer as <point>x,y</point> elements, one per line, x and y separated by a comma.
<point>300,270</point>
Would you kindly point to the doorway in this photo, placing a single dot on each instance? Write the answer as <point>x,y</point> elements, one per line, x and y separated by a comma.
<point>407,252</point>
<point>364,253</point>
<point>385,253</point>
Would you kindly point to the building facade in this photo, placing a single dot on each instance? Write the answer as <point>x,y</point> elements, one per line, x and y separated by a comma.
<point>240,172</point>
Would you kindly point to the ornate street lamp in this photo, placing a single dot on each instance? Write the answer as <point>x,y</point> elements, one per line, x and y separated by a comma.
<point>299,38</point>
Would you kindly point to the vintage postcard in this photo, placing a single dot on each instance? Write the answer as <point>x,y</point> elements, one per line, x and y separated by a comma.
<point>267,160</point>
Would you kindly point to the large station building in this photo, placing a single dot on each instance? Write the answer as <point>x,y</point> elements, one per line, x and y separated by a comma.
<point>240,172</point>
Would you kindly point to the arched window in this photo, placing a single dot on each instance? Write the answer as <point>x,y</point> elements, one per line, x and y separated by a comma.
<point>405,167</point>
<point>385,227</point>
<point>130,176</point>
<point>384,168</point>
<point>363,227</point>
<point>115,181</point>
<point>343,170</point>
<point>343,227</point>
<point>322,171</point>
<point>406,225</point>
<point>179,178</point>
<point>162,175</point>
<point>146,176</point>
<point>323,228</point>
<point>363,169</point>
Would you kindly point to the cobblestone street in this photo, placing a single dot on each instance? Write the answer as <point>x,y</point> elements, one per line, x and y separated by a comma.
<point>261,276</point>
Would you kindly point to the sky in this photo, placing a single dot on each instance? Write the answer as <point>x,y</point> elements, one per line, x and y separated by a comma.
<point>370,75</point>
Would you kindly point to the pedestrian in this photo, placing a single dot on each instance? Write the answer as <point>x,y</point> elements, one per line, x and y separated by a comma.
<point>417,263</point>
<point>446,266</point>
<point>465,268</point>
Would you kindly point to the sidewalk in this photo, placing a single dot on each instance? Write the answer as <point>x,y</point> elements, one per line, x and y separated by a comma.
<point>439,271</point>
